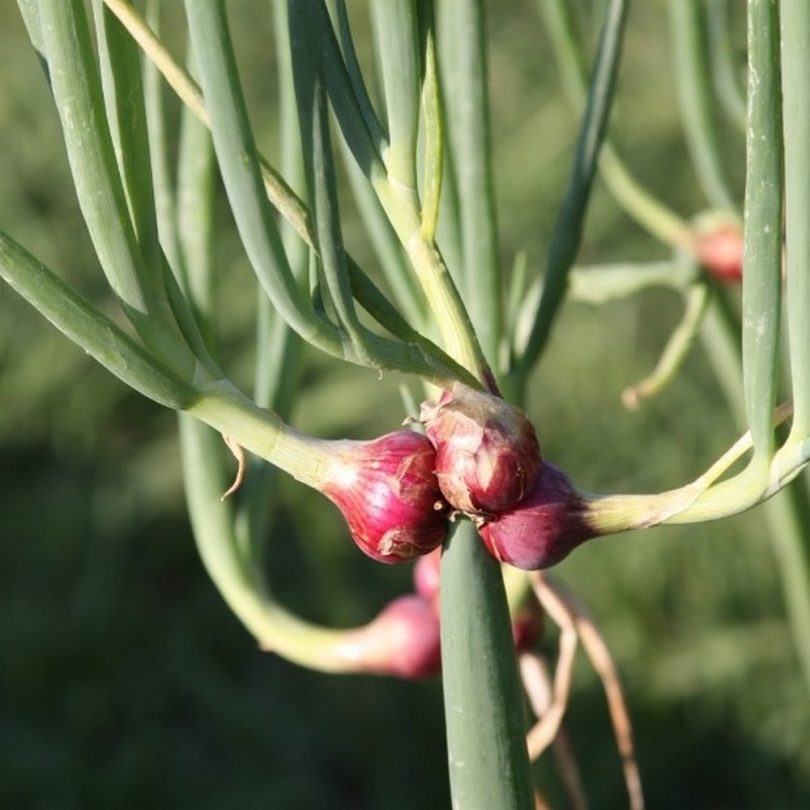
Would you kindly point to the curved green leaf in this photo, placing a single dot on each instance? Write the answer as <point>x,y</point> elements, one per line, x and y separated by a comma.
<point>81,322</point>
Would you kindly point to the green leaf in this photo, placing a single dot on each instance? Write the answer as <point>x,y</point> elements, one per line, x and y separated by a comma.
<point>696,99</point>
<point>387,248</point>
<point>29,10</point>
<point>383,311</point>
<point>120,64</point>
<point>310,23</point>
<point>181,289</point>
<point>321,181</point>
<point>162,177</point>
<point>649,212</point>
<point>356,78</point>
<point>81,322</point>
<point>567,234</point>
<point>310,73</point>
<point>278,348</point>
<point>239,166</point>
<point>194,213</point>
<point>77,91</point>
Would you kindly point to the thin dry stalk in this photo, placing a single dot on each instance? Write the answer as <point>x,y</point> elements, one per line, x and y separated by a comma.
<point>557,602</point>
<point>536,677</point>
<point>540,801</point>
<point>551,711</point>
<point>239,454</point>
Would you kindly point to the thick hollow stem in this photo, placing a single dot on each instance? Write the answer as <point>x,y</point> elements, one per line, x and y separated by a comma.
<point>796,96</point>
<point>762,259</point>
<point>469,136</point>
<point>488,758</point>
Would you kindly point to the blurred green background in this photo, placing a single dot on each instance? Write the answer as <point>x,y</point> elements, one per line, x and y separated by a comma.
<point>125,681</point>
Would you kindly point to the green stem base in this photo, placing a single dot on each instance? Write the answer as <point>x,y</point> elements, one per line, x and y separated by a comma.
<point>486,725</point>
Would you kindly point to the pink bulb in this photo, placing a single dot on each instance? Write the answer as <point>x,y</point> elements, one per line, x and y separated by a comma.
<point>388,494</point>
<point>721,252</point>
<point>487,454</point>
<point>402,640</point>
<point>426,575</point>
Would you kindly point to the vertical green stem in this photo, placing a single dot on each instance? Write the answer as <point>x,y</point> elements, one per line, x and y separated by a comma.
<point>187,295</point>
<point>278,350</point>
<point>469,136</point>
<point>195,219</point>
<point>762,279</point>
<point>724,62</point>
<point>154,104</point>
<point>397,29</point>
<point>796,100</point>
<point>785,513</point>
<point>486,726</point>
<point>697,103</point>
<point>433,161</point>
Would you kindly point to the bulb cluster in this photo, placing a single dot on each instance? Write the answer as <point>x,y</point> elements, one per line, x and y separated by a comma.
<point>480,457</point>
<point>488,466</point>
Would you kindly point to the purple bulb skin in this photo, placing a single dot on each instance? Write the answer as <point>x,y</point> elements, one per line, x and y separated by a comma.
<point>544,528</point>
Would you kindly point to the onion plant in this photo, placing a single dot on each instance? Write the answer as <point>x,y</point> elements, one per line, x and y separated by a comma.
<point>412,135</point>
